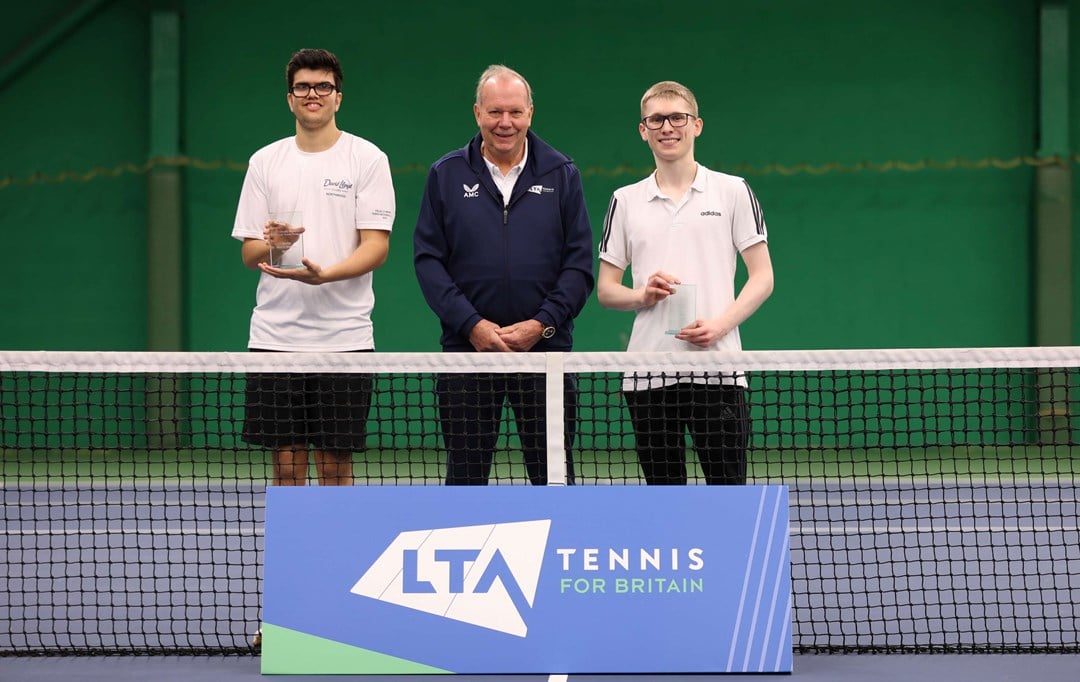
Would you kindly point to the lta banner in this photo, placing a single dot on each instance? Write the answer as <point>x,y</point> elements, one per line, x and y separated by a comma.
<point>526,580</point>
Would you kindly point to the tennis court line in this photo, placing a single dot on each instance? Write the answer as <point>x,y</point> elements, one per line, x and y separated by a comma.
<point>871,529</point>
<point>178,484</point>
<point>877,483</point>
<point>868,499</point>
<point>243,531</point>
<point>794,528</point>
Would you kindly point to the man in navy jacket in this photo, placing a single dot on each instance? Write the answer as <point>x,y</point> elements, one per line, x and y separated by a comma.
<point>503,255</point>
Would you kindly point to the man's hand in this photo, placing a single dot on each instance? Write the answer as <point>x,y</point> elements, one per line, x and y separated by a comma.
<point>311,273</point>
<point>281,236</point>
<point>702,333</point>
<point>485,338</point>
<point>522,336</point>
<point>658,287</point>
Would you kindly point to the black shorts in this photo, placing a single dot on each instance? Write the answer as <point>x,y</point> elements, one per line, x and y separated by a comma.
<point>325,411</point>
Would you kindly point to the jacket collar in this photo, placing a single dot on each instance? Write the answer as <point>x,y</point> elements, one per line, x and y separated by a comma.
<point>542,158</point>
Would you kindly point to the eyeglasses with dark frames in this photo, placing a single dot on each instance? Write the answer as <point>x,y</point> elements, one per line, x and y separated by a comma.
<point>321,89</point>
<point>677,120</point>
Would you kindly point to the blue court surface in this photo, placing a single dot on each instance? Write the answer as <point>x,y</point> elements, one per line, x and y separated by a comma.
<point>807,668</point>
<point>178,566</point>
<point>958,535</point>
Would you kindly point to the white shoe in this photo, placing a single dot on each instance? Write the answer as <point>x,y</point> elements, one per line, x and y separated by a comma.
<point>256,640</point>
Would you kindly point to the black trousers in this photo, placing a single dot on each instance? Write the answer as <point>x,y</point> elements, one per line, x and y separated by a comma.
<point>326,411</point>
<point>470,409</point>
<point>717,418</point>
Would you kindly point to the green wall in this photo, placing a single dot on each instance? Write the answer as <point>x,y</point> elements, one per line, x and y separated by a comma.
<point>76,249</point>
<point>930,258</point>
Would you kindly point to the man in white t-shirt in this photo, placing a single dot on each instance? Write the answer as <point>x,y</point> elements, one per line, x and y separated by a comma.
<point>684,225</point>
<point>341,186</point>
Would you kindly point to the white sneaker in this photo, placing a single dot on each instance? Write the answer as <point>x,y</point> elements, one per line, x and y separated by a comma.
<point>256,640</point>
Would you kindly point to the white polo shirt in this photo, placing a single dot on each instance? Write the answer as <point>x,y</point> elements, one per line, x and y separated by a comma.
<point>506,183</point>
<point>697,240</point>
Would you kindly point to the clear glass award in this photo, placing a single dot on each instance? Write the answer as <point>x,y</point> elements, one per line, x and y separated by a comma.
<point>681,308</point>
<point>286,237</point>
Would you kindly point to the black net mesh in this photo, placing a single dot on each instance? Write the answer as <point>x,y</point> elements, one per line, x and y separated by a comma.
<point>933,509</point>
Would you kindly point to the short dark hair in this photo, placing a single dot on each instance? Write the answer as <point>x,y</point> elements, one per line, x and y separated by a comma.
<point>317,60</point>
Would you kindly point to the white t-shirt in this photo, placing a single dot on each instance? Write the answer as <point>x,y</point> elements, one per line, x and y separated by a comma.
<point>341,190</point>
<point>697,240</point>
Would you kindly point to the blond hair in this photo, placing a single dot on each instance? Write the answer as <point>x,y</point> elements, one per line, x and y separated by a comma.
<point>498,71</point>
<point>670,89</point>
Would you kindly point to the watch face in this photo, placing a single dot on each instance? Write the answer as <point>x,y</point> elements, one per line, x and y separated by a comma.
<point>548,332</point>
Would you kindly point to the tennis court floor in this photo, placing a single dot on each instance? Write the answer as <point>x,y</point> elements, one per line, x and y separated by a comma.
<point>807,668</point>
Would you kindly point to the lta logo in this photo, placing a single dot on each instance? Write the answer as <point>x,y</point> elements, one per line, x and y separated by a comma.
<point>481,575</point>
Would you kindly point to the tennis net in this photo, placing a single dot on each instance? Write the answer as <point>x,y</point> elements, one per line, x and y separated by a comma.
<point>934,502</point>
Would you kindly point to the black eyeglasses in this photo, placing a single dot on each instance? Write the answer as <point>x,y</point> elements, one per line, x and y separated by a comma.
<point>677,120</point>
<point>321,89</point>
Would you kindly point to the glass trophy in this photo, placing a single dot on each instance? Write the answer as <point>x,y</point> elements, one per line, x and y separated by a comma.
<point>681,308</point>
<point>286,237</point>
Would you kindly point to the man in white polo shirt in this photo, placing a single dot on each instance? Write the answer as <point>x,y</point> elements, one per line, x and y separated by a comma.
<point>679,231</point>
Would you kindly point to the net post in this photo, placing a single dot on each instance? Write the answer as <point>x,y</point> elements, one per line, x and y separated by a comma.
<point>165,411</point>
<point>555,412</point>
<point>164,233</point>
<point>1053,226</point>
<point>1054,414</point>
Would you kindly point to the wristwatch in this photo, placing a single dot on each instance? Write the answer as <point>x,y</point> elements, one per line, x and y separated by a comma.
<point>548,331</point>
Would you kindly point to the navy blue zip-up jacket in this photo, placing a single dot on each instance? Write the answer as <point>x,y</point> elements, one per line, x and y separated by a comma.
<point>533,260</point>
